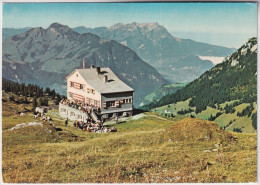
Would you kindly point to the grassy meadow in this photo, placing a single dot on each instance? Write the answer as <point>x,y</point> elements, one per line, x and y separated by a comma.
<point>245,123</point>
<point>146,148</point>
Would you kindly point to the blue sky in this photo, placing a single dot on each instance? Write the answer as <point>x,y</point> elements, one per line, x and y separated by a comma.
<point>227,24</point>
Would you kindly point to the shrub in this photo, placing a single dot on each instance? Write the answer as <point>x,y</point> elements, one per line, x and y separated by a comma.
<point>254,120</point>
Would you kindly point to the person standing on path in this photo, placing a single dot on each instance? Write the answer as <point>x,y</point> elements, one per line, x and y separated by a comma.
<point>116,118</point>
<point>66,122</point>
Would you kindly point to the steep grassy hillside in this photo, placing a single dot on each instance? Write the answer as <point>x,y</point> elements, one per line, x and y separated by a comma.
<point>147,148</point>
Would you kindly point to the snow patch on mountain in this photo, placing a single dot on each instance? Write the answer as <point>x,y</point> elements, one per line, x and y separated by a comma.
<point>124,43</point>
<point>53,30</point>
<point>187,67</point>
<point>141,46</point>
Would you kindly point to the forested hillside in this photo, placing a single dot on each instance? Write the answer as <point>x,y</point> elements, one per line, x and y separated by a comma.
<point>234,79</point>
<point>162,91</point>
<point>30,93</point>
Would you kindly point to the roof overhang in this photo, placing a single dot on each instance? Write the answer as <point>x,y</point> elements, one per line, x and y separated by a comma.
<point>118,92</point>
<point>71,73</point>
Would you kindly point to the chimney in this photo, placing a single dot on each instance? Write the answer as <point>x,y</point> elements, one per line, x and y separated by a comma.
<point>98,70</point>
<point>92,66</point>
<point>105,79</point>
<point>83,66</point>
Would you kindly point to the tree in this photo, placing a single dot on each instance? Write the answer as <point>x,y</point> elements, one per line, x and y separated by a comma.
<point>11,98</point>
<point>45,101</point>
<point>211,118</point>
<point>40,101</point>
<point>239,130</point>
<point>47,91</point>
<point>25,99</point>
<point>254,120</point>
<point>53,94</point>
<point>58,99</point>
<point>35,103</point>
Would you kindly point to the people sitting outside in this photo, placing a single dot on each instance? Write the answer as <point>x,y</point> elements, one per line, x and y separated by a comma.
<point>90,125</point>
<point>81,125</point>
<point>42,116</point>
<point>79,105</point>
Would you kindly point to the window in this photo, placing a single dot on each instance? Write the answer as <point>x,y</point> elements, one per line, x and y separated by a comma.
<point>63,110</point>
<point>78,116</point>
<point>128,100</point>
<point>70,94</point>
<point>91,101</point>
<point>72,114</point>
<point>88,90</point>
<point>111,103</point>
<point>81,86</point>
<point>72,84</point>
<point>93,91</point>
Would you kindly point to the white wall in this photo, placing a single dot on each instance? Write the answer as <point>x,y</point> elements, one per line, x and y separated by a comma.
<point>76,77</point>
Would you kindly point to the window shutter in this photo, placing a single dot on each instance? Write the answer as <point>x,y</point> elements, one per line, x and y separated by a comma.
<point>104,105</point>
<point>117,103</point>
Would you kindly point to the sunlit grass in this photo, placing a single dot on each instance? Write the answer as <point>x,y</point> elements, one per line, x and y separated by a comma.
<point>139,152</point>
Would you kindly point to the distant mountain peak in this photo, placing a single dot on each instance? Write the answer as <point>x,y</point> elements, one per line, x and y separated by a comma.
<point>81,27</point>
<point>46,56</point>
<point>57,27</point>
<point>149,26</point>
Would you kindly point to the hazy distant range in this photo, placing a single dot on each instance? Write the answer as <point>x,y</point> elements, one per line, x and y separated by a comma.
<point>220,39</point>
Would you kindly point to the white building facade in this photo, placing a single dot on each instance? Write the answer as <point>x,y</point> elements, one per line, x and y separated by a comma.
<point>100,88</point>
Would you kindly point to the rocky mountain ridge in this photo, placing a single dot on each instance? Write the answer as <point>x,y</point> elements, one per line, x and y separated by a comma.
<point>47,56</point>
<point>155,45</point>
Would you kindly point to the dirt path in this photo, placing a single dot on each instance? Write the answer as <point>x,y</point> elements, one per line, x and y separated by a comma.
<point>161,118</point>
